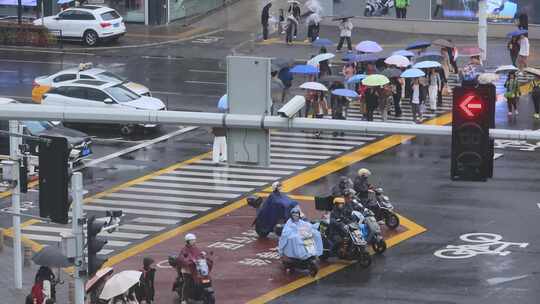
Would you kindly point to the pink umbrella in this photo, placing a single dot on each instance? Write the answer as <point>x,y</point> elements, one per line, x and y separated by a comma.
<point>97,277</point>
<point>368,46</point>
<point>470,51</point>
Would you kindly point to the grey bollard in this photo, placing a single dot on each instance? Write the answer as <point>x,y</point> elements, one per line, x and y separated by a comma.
<point>27,256</point>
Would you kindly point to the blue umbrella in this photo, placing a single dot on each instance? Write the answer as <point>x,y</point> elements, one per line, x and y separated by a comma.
<point>426,65</point>
<point>322,42</point>
<point>304,69</point>
<point>356,78</point>
<point>367,58</point>
<point>350,57</point>
<point>413,73</point>
<point>223,103</point>
<point>345,93</point>
<point>516,33</point>
<point>431,53</point>
<point>64,1</point>
<point>420,44</point>
<point>404,53</point>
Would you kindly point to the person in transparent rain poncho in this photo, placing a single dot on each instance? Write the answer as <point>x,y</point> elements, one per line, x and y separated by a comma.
<point>292,243</point>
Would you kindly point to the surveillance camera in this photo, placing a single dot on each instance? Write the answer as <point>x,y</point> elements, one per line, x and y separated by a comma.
<point>292,106</point>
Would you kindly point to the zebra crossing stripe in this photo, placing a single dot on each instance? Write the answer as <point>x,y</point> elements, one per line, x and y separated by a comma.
<point>150,205</point>
<point>142,212</point>
<point>172,199</point>
<point>195,186</point>
<point>325,152</point>
<point>320,157</point>
<point>141,228</point>
<point>237,169</point>
<point>272,166</point>
<point>293,161</point>
<point>225,175</point>
<point>151,220</point>
<point>324,141</point>
<point>137,188</point>
<point>348,137</point>
<point>209,180</point>
<point>308,145</point>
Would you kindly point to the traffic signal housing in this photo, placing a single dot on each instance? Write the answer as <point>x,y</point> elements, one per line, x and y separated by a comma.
<point>94,244</point>
<point>472,149</point>
<point>54,201</point>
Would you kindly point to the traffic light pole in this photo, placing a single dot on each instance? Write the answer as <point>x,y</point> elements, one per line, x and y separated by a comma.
<point>482,28</point>
<point>14,142</point>
<point>77,225</point>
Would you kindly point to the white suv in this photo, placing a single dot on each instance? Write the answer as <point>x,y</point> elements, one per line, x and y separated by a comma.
<point>90,23</point>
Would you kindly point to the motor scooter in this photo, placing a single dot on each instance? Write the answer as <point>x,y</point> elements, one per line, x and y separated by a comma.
<point>311,264</point>
<point>203,292</point>
<point>371,232</point>
<point>380,205</point>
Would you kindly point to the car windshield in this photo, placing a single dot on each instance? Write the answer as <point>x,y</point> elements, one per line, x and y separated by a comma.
<point>36,127</point>
<point>110,77</point>
<point>122,94</point>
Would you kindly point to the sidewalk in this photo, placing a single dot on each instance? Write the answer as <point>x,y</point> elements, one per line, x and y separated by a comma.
<point>9,294</point>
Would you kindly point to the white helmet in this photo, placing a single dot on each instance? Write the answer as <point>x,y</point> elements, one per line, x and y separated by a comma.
<point>364,172</point>
<point>190,237</point>
<point>276,186</point>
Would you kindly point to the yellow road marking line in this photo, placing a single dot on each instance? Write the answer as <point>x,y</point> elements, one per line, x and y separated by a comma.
<point>181,35</point>
<point>8,193</point>
<point>412,230</point>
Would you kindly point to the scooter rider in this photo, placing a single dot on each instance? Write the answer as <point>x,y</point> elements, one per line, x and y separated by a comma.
<point>344,183</point>
<point>186,258</point>
<point>361,184</point>
<point>287,246</point>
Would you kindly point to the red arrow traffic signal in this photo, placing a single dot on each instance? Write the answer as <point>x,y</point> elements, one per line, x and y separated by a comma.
<point>471,105</point>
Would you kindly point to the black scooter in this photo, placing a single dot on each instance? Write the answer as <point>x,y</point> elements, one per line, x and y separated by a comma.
<point>381,207</point>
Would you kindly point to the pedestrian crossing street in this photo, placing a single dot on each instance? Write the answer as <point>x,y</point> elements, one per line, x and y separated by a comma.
<point>162,202</point>
<point>165,201</point>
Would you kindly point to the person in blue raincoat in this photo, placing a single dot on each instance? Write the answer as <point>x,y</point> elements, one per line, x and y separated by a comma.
<point>296,230</point>
<point>275,209</point>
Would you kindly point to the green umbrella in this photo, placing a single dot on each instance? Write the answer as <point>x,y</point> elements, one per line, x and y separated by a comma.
<point>375,80</point>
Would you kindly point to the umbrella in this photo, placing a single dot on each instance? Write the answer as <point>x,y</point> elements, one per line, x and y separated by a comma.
<point>420,44</point>
<point>304,69</point>
<point>332,78</point>
<point>398,60</point>
<point>120,283</point>
<point>391,73</point>
<point>375,80</point>
<point>443,43</point>
<point>516,33</point>
<point>321,57</point>
<point>506,69</point>
<point>293,1</point>
<point>223,103</point>
<point>51,256</point>
<point>470,51</point>
<point>311,85</point>
<point>413,73</point>
<point>437,58</point>
<point>97,277</point>
<point>426,65</point>
<point>404,53</point>
<point>64,1</point>
<point>486,78</point>
<point>322,42</point>
<point>367,58</point>
<point>535,72</point>
<point>356,78</point>
<point>345,93</point>
<point>351,57</point>
<point>368,46</point>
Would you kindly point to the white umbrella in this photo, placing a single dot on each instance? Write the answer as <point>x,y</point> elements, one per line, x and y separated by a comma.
<point>426,65</point>
<point>120,283</point>
<point>310,85</point>
<point>398,60</point>
<point>506,69</point>
<point>486,78</point>
<point>321,57</point>
<point>533,71</point>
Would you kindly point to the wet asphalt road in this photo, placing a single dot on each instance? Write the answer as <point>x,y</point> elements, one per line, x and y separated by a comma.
<point>416,177</point>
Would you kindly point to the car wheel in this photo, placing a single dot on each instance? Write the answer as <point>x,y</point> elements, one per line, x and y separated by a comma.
<point>127,130</point>
<point>90,38</point>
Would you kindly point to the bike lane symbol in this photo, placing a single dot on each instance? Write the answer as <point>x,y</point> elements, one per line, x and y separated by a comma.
<point>483,243</point>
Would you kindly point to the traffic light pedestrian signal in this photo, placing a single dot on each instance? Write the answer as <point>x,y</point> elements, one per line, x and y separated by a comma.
<point>473,116</point>
<point>94,245</point>
<point>53,179</point>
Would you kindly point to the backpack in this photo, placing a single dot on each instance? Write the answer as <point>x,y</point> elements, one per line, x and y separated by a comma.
<point>37,292</point>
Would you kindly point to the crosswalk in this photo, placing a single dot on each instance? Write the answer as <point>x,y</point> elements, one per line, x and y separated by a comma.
<point>167,200</point>
<point>164,201</point>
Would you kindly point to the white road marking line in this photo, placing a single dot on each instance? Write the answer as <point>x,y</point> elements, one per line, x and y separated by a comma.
<point>140,227</point>
<point>181,192</point>
<point>151,220</point>
<point>42,237</point>
<point>205,82</point>
<point>135,148</point>
<point>312,151</point>
<point>209,181</point>
<point>225,175</point>
<point>150,205</point>
<point>349,136</point>
<point>143,212</point>
<point>123,235</point>
<point>8,71</point>
<point>336,140</point>
<point>538,205</point>
<point>171,199</point>
<point>111,243</point>
<point>195,186</point>
<point>497,155</point>
<point>300,156</point>
<point>307,145</point>
<point>208,71</point>
<point>105,251</point>
<point>236,169</point>
<point>293,161</point>
<point>33,61</point>
<point>272,166</point>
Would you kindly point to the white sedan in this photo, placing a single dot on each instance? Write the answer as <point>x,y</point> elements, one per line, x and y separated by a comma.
<point>43,83</point>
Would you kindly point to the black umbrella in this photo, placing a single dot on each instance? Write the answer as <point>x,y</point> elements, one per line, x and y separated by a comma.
<point>433,57</point>
<point>341,18</point>
<point>391,73</point>
<point>51,256</point>
<point>420,44</point>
